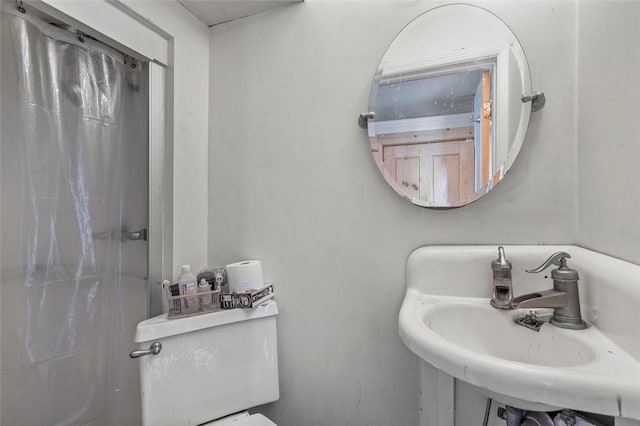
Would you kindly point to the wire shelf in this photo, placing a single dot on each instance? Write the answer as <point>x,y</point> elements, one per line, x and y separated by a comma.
<point>186,305</point>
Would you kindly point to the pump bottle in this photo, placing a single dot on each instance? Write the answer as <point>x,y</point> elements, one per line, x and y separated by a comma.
<point>188,285</point>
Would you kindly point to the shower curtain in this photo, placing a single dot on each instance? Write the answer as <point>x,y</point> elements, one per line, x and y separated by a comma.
<point>73,175</point>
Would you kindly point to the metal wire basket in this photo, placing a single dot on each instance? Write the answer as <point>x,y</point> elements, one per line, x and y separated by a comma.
<point>187,305</point>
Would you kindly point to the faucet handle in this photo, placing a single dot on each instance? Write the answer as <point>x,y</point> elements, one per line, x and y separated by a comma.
<point>559,259</point>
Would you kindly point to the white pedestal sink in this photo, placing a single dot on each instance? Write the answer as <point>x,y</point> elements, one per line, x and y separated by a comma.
<point>446,320</point>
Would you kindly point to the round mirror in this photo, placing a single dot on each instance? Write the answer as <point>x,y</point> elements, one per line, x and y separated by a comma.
<point>447,117</point>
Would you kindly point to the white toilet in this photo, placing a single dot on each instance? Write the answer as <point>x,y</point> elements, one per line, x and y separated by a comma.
<point>210,368</point>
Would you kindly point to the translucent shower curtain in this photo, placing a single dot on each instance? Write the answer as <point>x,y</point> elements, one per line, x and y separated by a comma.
<point>73,178</point>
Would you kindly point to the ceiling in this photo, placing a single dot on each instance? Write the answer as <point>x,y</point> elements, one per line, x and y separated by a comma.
<point>213,12</point>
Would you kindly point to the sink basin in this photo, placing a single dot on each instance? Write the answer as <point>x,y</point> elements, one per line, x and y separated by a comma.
<point>446,320</point>
<point>472,324</point>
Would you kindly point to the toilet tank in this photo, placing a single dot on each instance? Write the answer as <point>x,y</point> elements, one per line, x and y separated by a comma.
<point>210,365</point>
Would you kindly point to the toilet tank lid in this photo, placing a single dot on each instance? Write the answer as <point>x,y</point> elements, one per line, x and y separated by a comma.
<point>159,327</point>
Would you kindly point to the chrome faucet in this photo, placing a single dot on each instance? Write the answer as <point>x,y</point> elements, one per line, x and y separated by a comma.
<point>502,289</point>
<point>563,297</point>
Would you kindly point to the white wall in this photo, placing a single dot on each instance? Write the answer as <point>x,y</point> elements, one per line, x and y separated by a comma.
<point>609,128</point>
<point>291,182</point>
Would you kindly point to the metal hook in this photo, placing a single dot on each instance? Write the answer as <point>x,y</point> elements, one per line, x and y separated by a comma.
<point>20,6</point>
<point>537,100</point>
<point>80,36</point>
<point>130,60</point>
<point>363,117</point>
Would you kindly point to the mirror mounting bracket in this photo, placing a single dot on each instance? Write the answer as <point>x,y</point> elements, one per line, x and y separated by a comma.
<point>364,117</point>
<point>537,100</point>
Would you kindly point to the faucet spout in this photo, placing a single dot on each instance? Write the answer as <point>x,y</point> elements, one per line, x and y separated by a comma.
<point>543,299</point>
<point>563,298</point>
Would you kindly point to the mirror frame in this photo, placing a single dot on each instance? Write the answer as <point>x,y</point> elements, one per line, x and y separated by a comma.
<point>504,51</point>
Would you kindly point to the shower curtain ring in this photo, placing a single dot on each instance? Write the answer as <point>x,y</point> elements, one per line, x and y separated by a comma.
<point>20,7</point>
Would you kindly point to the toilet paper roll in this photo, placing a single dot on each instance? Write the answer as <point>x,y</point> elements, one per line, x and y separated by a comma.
<point>244,276</point>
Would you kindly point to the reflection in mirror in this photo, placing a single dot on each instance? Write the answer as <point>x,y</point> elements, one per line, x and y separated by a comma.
<point>449,119</point>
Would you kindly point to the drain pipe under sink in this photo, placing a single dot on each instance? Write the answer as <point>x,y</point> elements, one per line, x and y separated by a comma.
<point>517,417</point>
<point>513,416</point>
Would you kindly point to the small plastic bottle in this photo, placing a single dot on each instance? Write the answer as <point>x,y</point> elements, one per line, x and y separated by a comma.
<point>188,285</point>
<point>204,287</point>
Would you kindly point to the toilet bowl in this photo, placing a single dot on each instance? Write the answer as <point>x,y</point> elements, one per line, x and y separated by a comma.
<point>243,419</point>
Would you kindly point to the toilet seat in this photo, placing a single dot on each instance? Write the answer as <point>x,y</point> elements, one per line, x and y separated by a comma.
<point>243,419</point>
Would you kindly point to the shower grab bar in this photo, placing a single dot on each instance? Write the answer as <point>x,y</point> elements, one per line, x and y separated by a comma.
<point>123,235</point>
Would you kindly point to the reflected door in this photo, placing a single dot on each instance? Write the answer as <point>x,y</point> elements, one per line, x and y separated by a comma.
<point>445,170</point>
<point>407,174</point>
<point>482,131</point>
